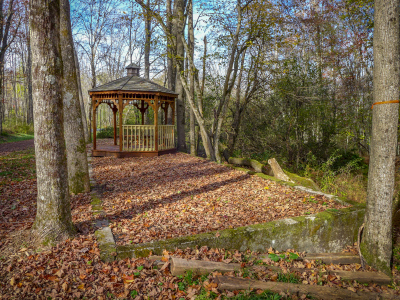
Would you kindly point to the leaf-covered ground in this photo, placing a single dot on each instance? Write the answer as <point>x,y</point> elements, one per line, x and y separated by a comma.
<point>177,195</point>
<point>18,199</point>
<point>73,270</point>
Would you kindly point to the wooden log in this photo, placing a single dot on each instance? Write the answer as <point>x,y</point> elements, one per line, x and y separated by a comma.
<point>257,166</point>
<point>267,170</point>
<point>334,258</point>
<point>321,292</point>
<point>239,161</point>
<point>362,277</point>
<point>200,267</point>
<point>179,266</point>
<point>277,170</point>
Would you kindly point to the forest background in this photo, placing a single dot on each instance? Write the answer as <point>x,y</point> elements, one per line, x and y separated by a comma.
<point>290,79</point>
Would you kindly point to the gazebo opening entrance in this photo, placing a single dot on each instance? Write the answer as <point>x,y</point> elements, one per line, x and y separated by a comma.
<point>143,95</point>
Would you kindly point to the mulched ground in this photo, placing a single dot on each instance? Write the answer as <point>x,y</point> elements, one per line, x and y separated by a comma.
<point>177,195</point>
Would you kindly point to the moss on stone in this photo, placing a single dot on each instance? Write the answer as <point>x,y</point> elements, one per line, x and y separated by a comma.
<point>262,175</point>
<point>106,245</point>
<point>303,181</point>
<point>322,232</point>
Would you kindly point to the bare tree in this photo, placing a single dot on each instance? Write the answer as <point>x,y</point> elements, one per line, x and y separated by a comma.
<point>9,25</point>
<point>92,21</point>
<point>53,217</point>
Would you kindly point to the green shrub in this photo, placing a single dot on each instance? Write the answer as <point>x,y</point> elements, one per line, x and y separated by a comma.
<point>16,124</point>
<point>104,133</point>
<point>345,181</point>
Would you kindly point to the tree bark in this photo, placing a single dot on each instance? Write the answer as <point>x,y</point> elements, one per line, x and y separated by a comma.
<point>376,245</point>
<point>53,217</point>
<point>147,42</point>
<point>170,65</point>
<point>178,28</point>
<point>29,75</point>
<point>192,132</point>
<point>81,99</point>
<point>78,173</point>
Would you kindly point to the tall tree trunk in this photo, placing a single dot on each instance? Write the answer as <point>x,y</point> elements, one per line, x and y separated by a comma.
<point>178,28</point>
<point>147,42</point>
<point>93,71</point>
<point>81,99</point>
<point>78,173</point>
<point>2,97</point>
<point>147,53</point>
<point>376,246</point>
<point>53,216</point>
<point>170,64</point>
<point>192,133</point>
<point>5,24</point>
<point>29,75</point>
<point>235,125</point>
<point>170,52</point>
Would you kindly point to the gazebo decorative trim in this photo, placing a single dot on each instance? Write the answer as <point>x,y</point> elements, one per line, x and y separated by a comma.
<point>135,140</point>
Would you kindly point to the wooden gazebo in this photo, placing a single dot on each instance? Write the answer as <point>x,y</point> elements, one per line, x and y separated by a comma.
<point>135,140</point>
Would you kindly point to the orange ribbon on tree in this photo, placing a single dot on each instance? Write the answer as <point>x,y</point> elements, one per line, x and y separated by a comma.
<point>385,102</point>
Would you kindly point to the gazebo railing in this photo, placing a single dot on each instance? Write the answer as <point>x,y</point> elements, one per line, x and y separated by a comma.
<point>166,138</point>
<point>142,137</point>
<point>138,138</point>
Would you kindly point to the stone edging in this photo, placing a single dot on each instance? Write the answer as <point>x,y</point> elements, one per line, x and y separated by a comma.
<point>103,234</point>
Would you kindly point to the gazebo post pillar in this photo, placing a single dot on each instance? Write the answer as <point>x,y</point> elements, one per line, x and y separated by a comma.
<point>115,124</point>
<point>120,109</point>
<point>166,105</point>
<point>156,123</point>
<point>142,111</point>
<point>173,112</point>
<point>94,122</point>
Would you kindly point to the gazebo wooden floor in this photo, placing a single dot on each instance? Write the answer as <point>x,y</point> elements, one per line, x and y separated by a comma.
<point>113,150</point>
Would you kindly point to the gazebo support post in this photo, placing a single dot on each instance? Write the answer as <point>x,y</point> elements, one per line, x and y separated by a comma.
<point>114,110</point>
<point>166,113</point>
<point>120,109</point>
<point>94,106</point>
<point>156,123</point>
<point>173,113</point>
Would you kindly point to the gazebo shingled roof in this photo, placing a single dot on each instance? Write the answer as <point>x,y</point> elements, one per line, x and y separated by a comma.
<point>132,83</point>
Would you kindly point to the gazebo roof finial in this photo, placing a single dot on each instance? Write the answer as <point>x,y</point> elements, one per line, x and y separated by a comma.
<point>132,70</point>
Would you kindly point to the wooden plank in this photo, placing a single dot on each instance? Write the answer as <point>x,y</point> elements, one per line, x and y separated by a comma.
<point>363,277</point>
<point>205,267</point>
<point>199,267</point>
<point>334,258</point>
<point>321,292</point>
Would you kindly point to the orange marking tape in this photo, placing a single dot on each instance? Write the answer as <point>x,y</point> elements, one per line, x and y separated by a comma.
<point>385,102</point>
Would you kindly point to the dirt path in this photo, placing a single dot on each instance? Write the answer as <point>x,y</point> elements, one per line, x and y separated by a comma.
<point>16,146</point>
